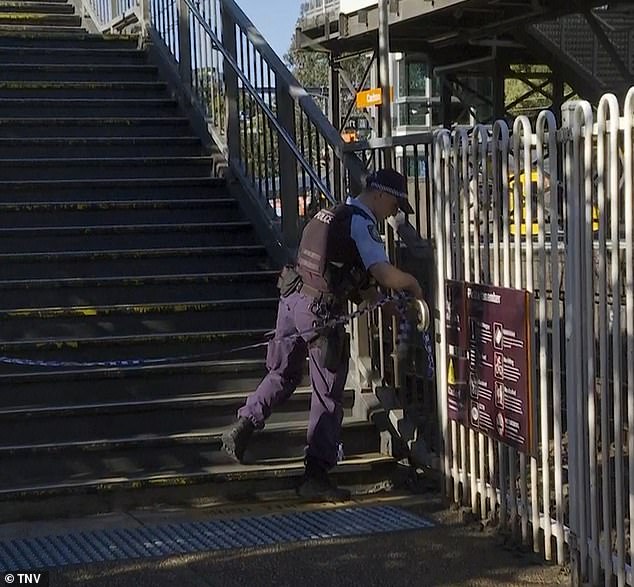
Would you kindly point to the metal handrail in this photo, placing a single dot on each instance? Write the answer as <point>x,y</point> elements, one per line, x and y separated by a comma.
<point>256,96</point>
<point>298,93</point>
<point>423,138</point>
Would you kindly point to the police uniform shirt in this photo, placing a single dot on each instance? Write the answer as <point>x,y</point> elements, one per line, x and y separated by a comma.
<point>365,234</point>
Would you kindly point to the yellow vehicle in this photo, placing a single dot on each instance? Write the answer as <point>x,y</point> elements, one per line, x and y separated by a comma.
<point>535,225</point>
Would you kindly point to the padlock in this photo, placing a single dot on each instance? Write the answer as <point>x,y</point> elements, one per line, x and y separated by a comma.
<point>423,315</point>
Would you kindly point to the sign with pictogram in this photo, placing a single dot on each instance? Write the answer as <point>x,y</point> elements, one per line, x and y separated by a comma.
<point>493,394</point>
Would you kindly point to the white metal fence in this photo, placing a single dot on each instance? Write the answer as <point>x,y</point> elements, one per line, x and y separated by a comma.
<point>550,210</point>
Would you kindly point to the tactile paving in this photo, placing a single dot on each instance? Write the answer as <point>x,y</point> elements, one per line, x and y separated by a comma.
<point>95,546</point>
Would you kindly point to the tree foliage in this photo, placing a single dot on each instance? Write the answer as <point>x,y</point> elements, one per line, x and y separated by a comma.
<point>312,70</point>
<point>522,95</point>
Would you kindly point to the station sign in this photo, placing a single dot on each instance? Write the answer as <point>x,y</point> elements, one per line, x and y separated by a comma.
<point>371,97</point>
<point>489,380</point>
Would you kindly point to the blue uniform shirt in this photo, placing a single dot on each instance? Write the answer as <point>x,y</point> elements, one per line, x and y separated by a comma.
<point>365,234</point>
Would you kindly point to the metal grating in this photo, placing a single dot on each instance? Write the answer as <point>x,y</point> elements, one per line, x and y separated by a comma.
<point>190,537</point>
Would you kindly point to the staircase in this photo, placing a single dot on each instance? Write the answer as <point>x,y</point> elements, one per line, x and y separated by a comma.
<point>118,244</point>
<point>573,44</point>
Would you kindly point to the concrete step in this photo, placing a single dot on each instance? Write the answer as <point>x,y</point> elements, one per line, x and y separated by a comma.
<point>36,7</point>
<point>160,453</point>
<point>272,481</point>
<point>80,403</point>
<point>149,289</point>
<point>103,54</point>
<point>40,30</point>
<point>368,472</point>
<point>101,147</point>
<point>77,72</point>
<point>132,262</point>
<point>127,90</point>
<point>61,108</point>
<point>64,39</point>
<point>96,168</point>
<point>118,212</point>
<point>184,413</point>
<point>39,126</point>
<point>89,238</point>
<point>72,351</point>
<point>75,190</point>
<point>122,320</point>
<point>39,20</point>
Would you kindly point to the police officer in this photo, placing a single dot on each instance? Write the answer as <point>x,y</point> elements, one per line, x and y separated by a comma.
<point>340,256</point>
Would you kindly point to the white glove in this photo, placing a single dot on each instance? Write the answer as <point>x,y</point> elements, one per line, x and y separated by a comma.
<point>397,220</point>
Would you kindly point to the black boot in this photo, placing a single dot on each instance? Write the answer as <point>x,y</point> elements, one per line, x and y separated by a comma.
<point>234,441</point>
<point>316,486</point>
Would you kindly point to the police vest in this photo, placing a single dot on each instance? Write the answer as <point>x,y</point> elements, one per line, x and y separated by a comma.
<point>328,259</point>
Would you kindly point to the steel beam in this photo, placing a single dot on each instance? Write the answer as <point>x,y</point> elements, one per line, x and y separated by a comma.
<point>600,34</point>
<point>384,70</point>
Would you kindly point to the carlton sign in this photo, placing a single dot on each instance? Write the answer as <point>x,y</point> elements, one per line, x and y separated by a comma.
<point>371,97</point>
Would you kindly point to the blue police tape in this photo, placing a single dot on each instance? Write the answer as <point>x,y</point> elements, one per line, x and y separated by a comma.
<point>427,345</point>
<point>124,363</point>
<point>401,304</point>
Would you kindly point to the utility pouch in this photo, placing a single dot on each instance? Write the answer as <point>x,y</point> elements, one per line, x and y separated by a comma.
<point>289,281</point>
<point>335,344</point>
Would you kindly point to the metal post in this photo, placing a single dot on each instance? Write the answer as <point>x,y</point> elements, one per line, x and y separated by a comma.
<point>288,168</point>
<point>558,95</point>
<point>145,21</point>
<point>384,78</point>
<point>499,110</point>
<point>445,102</point>
<point>574,360</point>
<point>232,109</point>
<point>335,116</point>
<point>184,43</point>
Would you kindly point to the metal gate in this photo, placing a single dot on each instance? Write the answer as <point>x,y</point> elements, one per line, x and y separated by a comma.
<point>550,210</point>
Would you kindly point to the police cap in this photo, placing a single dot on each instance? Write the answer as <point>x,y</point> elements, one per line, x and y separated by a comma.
<point>392,182</point>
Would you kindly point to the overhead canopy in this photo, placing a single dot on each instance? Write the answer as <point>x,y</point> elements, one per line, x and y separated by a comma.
<point>447,30</point>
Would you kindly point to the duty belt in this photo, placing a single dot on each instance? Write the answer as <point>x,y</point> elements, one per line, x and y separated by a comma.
<point>291,281</point>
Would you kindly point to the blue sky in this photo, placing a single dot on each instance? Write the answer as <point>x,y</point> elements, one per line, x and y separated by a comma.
<point>275,19</point>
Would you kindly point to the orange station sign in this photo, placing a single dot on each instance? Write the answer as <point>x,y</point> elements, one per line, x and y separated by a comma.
<point>371,97</point>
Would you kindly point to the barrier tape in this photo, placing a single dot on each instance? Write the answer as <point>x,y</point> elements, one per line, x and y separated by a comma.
<point>402,302</point>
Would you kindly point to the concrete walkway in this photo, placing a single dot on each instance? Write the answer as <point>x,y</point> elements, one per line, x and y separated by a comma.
<point>451,553</point>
